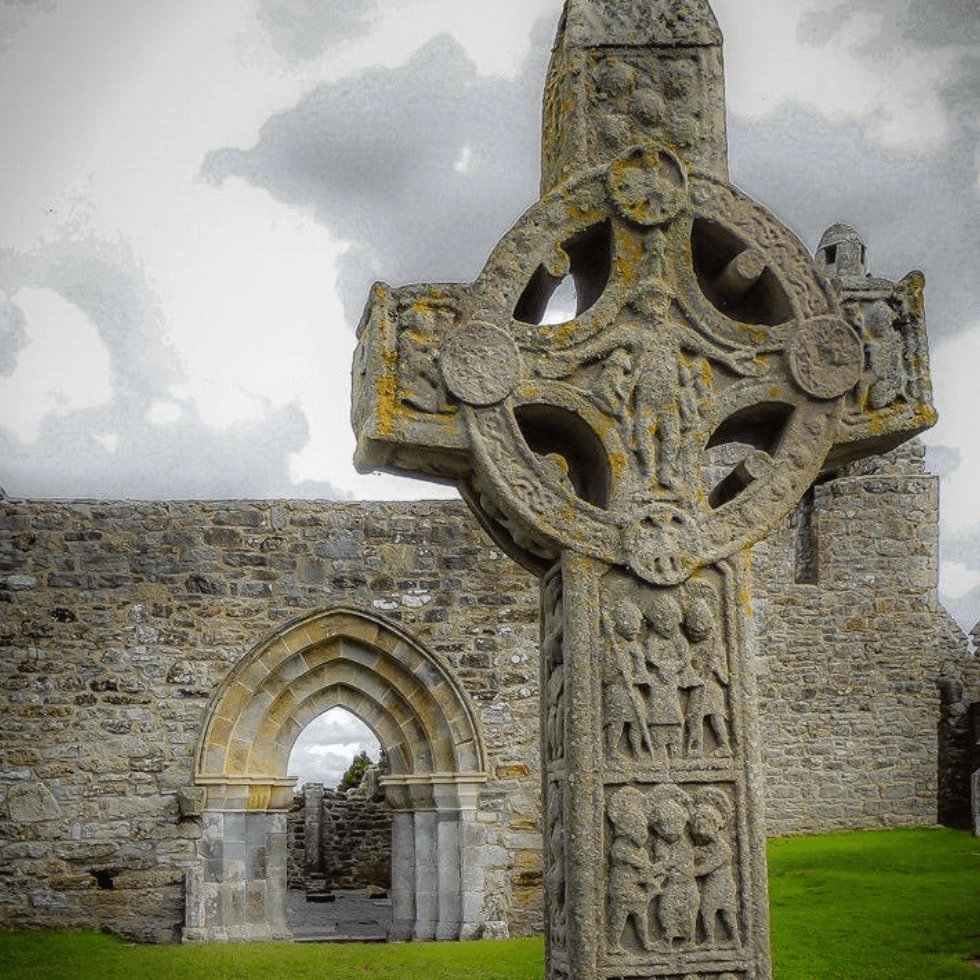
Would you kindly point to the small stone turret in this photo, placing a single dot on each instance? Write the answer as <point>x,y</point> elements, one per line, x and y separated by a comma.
<point>842,252</point>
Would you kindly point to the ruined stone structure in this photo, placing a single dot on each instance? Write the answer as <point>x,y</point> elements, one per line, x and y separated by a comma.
<point>338,838</point>
<point>120,621</point>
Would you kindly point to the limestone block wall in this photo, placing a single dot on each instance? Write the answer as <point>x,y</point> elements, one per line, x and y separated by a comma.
<point>119,620</point>
<point>853,648</point>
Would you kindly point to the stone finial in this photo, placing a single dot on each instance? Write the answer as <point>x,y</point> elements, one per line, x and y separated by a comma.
<point>842,252</point>
<point>639,23</point>
<point>632,72</point>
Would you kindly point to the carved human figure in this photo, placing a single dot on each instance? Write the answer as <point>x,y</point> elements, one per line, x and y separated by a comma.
<point>708,700</point>
<point>668,663</point>
<point>713,866</point>
<point>632,881</point>
<point>612,386</point>
<point>623,672</point>
<point>420,381</point>
<point>673,854</point>
<point>886,361</point>
<point>655,340</point>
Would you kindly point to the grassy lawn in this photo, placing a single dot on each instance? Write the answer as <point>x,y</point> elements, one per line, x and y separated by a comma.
<point>882,905</point>
<point>875,905</point>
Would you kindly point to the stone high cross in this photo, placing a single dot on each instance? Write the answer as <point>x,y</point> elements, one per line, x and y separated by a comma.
<point>629,456</point>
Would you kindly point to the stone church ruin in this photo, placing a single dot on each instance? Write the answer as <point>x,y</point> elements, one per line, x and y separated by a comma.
<point>708,469</point>
<point>122,621</point>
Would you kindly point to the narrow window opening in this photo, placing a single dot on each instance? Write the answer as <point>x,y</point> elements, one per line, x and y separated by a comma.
<point>805,558</point>
<point>831,252</point>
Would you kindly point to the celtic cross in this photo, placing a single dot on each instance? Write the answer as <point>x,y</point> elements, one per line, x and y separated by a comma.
<point>629,455</point>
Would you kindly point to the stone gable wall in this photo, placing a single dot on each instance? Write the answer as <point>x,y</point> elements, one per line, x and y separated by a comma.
<point>118,620</point>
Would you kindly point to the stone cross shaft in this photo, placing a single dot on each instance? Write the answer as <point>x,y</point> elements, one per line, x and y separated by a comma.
<point>629,451</point>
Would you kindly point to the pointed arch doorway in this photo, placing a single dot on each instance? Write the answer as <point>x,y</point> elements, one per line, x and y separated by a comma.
<point>422,717</point>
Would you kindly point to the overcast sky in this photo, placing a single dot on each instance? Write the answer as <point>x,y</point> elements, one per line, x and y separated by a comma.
<point>327,746</point>
<point>196,196</point>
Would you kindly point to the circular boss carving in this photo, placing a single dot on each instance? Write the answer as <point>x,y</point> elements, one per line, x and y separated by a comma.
<point>480,364</point>
<point>648,185</point>
<point>826,357</point>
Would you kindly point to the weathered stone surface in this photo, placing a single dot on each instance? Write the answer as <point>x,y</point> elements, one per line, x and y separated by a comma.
<point>703,335</point>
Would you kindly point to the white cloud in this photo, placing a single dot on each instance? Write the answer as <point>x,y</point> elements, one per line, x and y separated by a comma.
<point>64,367</point>
<point>958,402</point>
<point>957,579</point>
<point>897,93</point>
<point>109,441</point>
<point>163,413</point>
<point>464,160</point>
<point>495,34</point>
<point>341,751</point>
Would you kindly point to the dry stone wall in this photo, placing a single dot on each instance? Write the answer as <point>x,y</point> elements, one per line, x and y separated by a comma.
<point>118,620</point>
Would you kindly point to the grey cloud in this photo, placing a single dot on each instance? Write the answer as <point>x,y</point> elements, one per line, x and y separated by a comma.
<point>336,733</point>
<point>921,23</point>
<point>913,210</point>
<point>943,460</point>
<point>302,29</point>
<point>817,27</point>
<point>375,157</point>
<point>14,14</point>
<point>184,459</point>
<point>105,281</point>
<point>941,22</point>
<point>966,608</point>
<point>964,547</point>
<point>13,336</point>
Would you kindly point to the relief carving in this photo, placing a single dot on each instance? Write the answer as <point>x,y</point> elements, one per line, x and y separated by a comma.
<point>553,668</point>
<point>653,375</point>
<point>885,381</point>
<point>422,326</point>
<point>554,870</point>
<point>671,882</point>
<point>665,676</point>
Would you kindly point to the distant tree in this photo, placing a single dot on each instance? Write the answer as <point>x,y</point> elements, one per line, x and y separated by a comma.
<point>355,771</point>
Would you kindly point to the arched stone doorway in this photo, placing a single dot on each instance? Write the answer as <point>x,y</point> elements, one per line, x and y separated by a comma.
<point>422,717</point>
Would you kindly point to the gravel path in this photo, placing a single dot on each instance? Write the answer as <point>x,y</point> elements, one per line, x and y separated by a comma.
<point>353,917</point>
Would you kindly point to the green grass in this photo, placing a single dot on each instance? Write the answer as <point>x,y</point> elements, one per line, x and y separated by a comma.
<point>875,905</point>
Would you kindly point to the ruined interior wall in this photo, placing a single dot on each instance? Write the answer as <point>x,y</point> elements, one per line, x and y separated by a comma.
<point>356,840</point>
<point>850,664</point>
<point>119,620</point>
